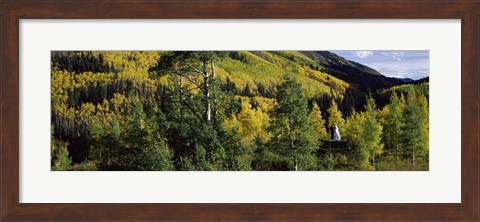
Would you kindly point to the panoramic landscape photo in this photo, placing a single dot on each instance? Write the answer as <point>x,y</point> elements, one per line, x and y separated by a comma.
<point>240,110</point>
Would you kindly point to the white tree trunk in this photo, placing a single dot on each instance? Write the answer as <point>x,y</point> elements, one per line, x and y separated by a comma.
<point>213,69</point>
<point>208,105</point>
<point>215,109</point>
<point>180,98</point>
<point>206,79</point>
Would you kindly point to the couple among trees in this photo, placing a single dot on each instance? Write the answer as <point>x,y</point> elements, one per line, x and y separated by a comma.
<point>335,133</point>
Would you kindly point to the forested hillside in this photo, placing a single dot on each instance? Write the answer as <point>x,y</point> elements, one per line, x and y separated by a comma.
<point>238,110</point>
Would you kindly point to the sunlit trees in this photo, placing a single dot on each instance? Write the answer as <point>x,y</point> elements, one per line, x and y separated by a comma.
<point>393,124</point>
<point>424,126</point>
<point>372,130</point>
<point>318,123</point>
<point>355,131</point>
<point>250,122</point>
<point>364,134</point>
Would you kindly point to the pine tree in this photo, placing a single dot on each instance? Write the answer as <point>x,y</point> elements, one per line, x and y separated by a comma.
<point>193,66</point>
<point>138,145</point>
<point>246,91</point>
<point>318,123</point>
<point>291,127</point>
<point>238,157</point>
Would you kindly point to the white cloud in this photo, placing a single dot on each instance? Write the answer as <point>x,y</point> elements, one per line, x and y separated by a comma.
<point>395,55</point>
<point>414,69</point>
<point>395,63</point>
<point>398,55</point>
<point>362,54</point>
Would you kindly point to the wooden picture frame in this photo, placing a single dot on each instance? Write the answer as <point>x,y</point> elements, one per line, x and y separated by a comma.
<point>12,11</point>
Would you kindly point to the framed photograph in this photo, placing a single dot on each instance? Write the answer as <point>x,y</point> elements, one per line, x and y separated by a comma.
<point>239,110</point>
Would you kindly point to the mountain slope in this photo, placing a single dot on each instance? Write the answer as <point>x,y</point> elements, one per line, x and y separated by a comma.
<point>320,72</point>
<point>405,80</point>
<point>265,69</point>
<point>354,73</point>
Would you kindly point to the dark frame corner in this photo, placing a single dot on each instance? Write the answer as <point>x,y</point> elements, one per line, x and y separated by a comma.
<point>11,11</point>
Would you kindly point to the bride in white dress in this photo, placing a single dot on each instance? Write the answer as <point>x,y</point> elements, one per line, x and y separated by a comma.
<point>336,133</point>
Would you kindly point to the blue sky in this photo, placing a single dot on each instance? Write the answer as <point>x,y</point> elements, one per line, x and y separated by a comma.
<point>402,64</point>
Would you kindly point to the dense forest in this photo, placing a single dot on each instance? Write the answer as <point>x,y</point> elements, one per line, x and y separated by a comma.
<point>232,111</point>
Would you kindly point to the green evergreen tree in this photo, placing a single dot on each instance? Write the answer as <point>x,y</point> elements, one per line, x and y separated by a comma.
<point>192,66</point>
<point>138,145</point>
<point>145,140</point>
<point>197,131</point>
<point>291,128</point>
<point>238,157</point>
<point>263,158</point>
